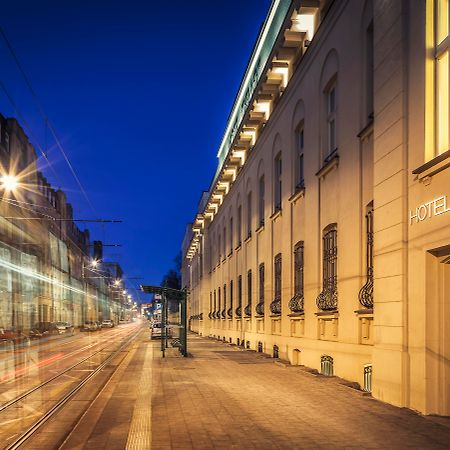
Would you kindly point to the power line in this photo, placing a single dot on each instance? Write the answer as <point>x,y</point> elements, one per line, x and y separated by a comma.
<point>45,117</point>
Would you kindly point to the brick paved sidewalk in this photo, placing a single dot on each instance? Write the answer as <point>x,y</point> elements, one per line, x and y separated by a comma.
<point>227,398</point>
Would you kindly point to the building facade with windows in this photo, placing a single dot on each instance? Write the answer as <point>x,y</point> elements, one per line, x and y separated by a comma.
<point>324,238</point>
<point>46,273</point>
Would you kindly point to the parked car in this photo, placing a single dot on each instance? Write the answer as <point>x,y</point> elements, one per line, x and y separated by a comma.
<point>89,325</point>
<point>64,327</point>
<point>11,335</point>
<point>121,321</point>
<point>42,329</point>
<point>155,330</point>
<point>107,323</point>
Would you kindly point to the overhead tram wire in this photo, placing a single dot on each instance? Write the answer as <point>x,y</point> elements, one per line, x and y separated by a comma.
<point>29,130</point>
<point>45,117</point>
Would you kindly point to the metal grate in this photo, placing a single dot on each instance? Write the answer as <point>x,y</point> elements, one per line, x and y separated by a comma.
<point>275,306</point>
<point>368,377</point>
<point>260,347</point>
<point>296,304</point>
<point>366,292</point>
<point>326,365</point>
<point>276,351</point>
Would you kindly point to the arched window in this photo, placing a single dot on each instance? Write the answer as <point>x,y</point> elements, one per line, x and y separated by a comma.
<point>296,304</point>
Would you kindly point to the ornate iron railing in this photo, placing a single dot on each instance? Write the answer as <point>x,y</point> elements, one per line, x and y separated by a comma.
<point>210,315</point>
<point>366,292</point>
<point>327,300</point>
<point>239,311</point>
<point>296,303</point>
<point>223,313</point>
<point>275,307</point>
<point>260,309</point>
<point>248,310</point>
<point>230,313</point>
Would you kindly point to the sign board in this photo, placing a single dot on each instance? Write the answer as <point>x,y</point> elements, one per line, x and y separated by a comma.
<point>428,210</point>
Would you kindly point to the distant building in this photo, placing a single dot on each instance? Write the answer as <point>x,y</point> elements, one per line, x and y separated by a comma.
<point>325,236</point>
<point>46,271</point>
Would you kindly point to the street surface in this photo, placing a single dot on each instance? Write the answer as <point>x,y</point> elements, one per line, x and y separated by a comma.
<point>227,398</point>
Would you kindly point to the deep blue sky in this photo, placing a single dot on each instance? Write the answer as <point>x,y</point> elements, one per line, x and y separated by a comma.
<point>139,92</point>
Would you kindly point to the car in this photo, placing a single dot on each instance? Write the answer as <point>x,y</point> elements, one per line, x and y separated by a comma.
<point>155,330</point>
<point>89,325</point>
<point>107,323</point>
<point>64,328</point>
<point>12,335</point>
<point>122,321</point>
<point>42,329</point>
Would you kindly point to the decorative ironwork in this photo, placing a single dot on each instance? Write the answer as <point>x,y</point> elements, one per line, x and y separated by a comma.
<point>368,378</point>
<point>275,306</point>
<point>230,313</point>
<point>366,292</point>
<point>327,300</point>
<point>224,310</point>
<point>239,307</point>
<point>260,306</point>
<point>296,304</point>
<point>248,308</point>
<point>276,351</point>
<point>210,315</point>
<point>230,309</point>
<point>326,365</point>
<point>260,309</point>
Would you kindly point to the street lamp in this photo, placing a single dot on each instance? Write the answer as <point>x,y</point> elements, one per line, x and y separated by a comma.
<point>9,182</point>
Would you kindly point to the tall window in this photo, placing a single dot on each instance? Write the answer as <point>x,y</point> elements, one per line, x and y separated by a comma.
<point>366,292</point>
<point>219,248</point>
<point>275,306</point>
<point>230,309</point>
<point>210,305</point>
<point>327,299</point>
<point>224,242</point>
<point>277,183</point>
<point>239,224</point>
<point>261,201</point>
<point>299,167</point>
<point>369,71</point>
<point>260,305</point>
<point>248,308</point>
<point>441,46</point>
<point>231,235</point>
<point>296,304</point>
<point>249,214</point>
<point>239,299</point>
<point>224,310</point>
<point>331,119</point>
<point>218,303</point>
<point>215,305</point>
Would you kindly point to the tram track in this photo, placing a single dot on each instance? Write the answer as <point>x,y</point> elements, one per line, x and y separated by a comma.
<point>24,436</point>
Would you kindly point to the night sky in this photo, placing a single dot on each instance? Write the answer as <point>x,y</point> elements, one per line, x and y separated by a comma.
<point>139,93</point>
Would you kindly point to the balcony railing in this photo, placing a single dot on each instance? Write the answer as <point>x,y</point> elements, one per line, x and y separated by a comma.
<point>223,313</point>
<point>239,311</point>
<point>296,303</point>
<point>248,310</point>
<point>260,309</point>
<point>327,300</point>
<point>230,313</point>
<point>275,307</point>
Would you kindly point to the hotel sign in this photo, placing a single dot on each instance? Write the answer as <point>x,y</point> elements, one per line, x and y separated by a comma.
<point>428,210</point>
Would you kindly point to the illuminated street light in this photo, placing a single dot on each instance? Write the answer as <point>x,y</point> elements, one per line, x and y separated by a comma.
<point>9,183</point>
<point>124,292</point>
<point>117,282</point>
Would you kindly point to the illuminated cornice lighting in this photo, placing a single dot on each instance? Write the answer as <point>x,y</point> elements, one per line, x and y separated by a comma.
<point>263,107</point>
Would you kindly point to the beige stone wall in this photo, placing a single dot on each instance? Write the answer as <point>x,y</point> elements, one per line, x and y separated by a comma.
<point>406,339</point>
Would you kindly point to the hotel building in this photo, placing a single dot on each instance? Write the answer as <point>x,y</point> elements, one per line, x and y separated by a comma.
<point>324,238</point>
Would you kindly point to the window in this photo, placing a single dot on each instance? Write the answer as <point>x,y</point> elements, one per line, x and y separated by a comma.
<point>215,306</point>
<point>224,301</point>
<point>224,242</point>
<point>249,214</point>
<point>218,303</point>
<point>261,202</point>
<point>210,306</point>
<point>327,299</point>
<point>331,119</point>
<point>369,71</point>
<point>239,225</point>
<point>231,235</point>
<point>277,183</point>
<point>299,167</point>
<point>239,306</point>
<point>219,248</point>
<point>260,305</point>
<point>275,306</point>
<point>441,47</point>
<point>297,302</point>
<point>366,292</point>
<point>248,308</point>
<point>230,309</point>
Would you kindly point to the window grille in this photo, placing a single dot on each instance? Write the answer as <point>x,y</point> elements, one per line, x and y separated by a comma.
<point>248,308</point>
<point>210,306</point>
<point>366,292</point>
<point>247,344</point>
<point>224,242</point>
<point>215,306</point>
<point>260,305</point>
<point>260,347</point>
<point>230,309</point>
<point>224,310</point>
<point>331,119</point>
<point>327,299</point>
<point>296,304</point>
<point>231,235</point>
<point>239,306</point>
<point>368,377</point>
<point>299,168</point>
<point>326,365</point>
<point>218,311</point>
<point>239,225</point>
<point>275,306</point>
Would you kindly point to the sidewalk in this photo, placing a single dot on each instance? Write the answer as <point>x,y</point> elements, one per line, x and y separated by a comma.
<point>227,398</point>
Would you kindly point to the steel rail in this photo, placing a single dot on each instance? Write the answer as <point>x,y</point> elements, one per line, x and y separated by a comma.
<point>53,410</point>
